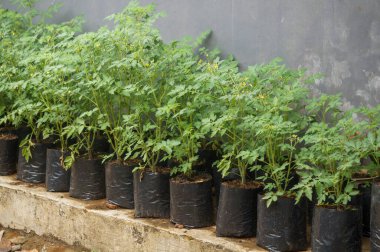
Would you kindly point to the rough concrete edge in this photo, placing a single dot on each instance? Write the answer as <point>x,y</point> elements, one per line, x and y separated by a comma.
<point>198,238</point>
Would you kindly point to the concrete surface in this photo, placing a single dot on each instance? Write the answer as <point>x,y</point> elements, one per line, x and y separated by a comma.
<point>90,224</point>
<point>339,38</point>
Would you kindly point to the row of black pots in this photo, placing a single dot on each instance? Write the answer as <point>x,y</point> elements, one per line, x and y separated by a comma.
<point>44,165</point>
<point>283,225</point>
<point>280,227</point>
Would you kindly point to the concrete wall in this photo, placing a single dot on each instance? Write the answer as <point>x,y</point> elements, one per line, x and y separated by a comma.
<point>339,38</point>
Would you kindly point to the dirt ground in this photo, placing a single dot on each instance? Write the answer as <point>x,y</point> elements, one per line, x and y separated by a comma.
<point>16,240</point>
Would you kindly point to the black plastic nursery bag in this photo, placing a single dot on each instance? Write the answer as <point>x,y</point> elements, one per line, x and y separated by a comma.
<point>34,170</point>
<point>191,203</point>
<point>151,194</point>
<point>57,178</point>
<point>119,184</point>
<point>87,179</point>
<point>8,154</point>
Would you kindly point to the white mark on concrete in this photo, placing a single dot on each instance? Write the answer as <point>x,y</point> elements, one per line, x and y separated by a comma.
<point>340,71</point>
<point>313,65</point>
<point>374,83</point>
<point>374,34</point>
<point>341,34</point>
<point>363,94</point>
<point>374,31</point>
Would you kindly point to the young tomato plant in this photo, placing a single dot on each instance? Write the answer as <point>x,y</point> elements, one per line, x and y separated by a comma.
<point>229,121</point>
<point>190,100</point>
<point>84,128</point>
<point>371,130</point>
<point>154,143</point>
<point>58,89</point>
<point>332,154</point>
<point>12,26</point>
<point>124,56</point>
<point>151,90</point>
<point>32,52</point>
<point>278,122</point>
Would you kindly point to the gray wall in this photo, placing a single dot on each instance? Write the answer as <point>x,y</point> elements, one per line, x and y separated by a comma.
<point>339,38</point>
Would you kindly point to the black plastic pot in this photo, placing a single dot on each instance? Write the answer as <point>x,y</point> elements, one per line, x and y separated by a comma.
<point>366,208</point>
<point>237,211</point>
<point>34,170</point>
<point>310,207</point>
<point>218,179</point>
<point>356,201</point>
<point>119,184</point>
<point>336,230</point>
<point>191,202</point>
<point>281,226</point>
<point>8,154</point>
<point>375,216</point>
<point>87,179</point>
<point>57,178</point>
<point>151,194</point>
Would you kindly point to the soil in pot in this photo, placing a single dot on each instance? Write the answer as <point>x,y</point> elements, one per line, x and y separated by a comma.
<point>119,183</point>
<point>87,180</point>
<point>8,154</point>
<point>336,229</point>
<point>237,211</point>
<point>375,216</point>
<point>282,225</point>
<point>191,201</point>
<point>152,193</point>
<point>34,170</point>
<point>57,177</point>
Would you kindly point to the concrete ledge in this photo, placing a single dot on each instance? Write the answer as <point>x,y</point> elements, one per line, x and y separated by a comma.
<point>90,224</point>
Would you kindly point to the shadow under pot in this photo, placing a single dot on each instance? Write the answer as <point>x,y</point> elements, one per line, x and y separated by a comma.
<point>87,180</point>
<point>191,201</point>
<point>237,210</point>
<point>34,170</point>
<point>336,229</point>
<point>119,184</point>
<point>282,225</point>
<point>375,216</point>
<point>8,154</point>
<point>151,194</point>
<point>57,177</point>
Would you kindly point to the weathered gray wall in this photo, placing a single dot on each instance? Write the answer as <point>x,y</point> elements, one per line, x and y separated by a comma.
<point>340,38</point>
